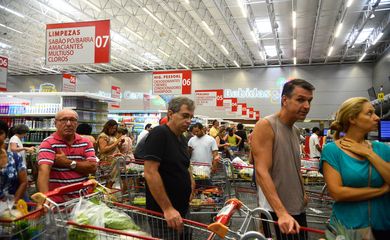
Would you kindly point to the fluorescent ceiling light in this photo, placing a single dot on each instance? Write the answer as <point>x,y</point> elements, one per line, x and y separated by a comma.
<point>92,5</point>
<point>12,11</point>
<point>184,66</point>
<point>161,51</point>
<point>254,36</point>
<point>294,44</point>
<point>377,38</point>
<point>263,25</point>
<point>236,63</point>
<point>62,6</point>
<point>50,70</point>
<point>3,45</point>
<point>362,57</point>
<point>10,28</point>
<point>261,55</point>
<point>224,49</point>
<point>271,51</point>
<point>338,30</point>
<point>294,19</point>
<point>330,51</point>
<point>151,14</point>
<point>208,28</point>
<point>242,7</point>
<point>349,3</point>
<point>202,58</point>
<point>136,67</point>
<point>295,60</point>
<point>184,43</point>
<point>134,33</point>
<point>364,34</point>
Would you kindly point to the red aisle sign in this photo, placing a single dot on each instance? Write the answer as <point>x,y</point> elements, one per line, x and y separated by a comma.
<point>233,104</point>
<point>69,82</point>
<point>115,93</point>
<point>251,113</point>
<point>78,43</point>
<point>209,98</point>
<point>175,82</point>
<point>243,109</point>
<point>3,73</point>
<point>257,115</point>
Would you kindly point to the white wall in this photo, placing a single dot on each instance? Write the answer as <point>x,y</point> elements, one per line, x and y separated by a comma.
<point>334,84</point>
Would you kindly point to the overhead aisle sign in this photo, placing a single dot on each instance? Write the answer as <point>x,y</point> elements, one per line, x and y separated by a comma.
<point>115,93</point>
<point>78,43</point>
<point>3,73</point>
<point>175,82</point>
<point>257,115</point>
<point>209,98</point>
<point>69,82</point>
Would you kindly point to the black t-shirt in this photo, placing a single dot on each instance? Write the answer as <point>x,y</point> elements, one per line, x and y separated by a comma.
<point>242,134</point>
<point>163,146</point>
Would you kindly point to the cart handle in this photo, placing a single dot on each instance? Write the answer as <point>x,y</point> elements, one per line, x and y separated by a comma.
<point>40,198</point>
<point>223,217</point>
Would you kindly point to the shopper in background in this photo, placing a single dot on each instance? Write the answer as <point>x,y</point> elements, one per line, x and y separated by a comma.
<point>356,171</point>
<point>144,132</point>
<point>314,143</point>
<point>203,148</point>
<point>223,146</point>
<point>85,130</point>
<point>276,152</point>
<point>15,142</point>
<point>108,146</point>
<point>13,175</point>
<point>127,147</point>
<point>233,139</point>
<point>64,157</point>
<point>169,182</point>
<point>163,121</point>
<point>242,134</point>
<point>214,129</point>
<point>188,134</point>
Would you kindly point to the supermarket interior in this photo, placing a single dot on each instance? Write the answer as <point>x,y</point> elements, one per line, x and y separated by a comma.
<point>285,106</point>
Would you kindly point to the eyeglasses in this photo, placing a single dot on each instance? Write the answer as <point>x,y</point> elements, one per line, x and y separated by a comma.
<point>65,120</point>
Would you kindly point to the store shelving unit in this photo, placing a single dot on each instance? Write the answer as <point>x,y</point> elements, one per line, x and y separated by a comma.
<point>37,110</point>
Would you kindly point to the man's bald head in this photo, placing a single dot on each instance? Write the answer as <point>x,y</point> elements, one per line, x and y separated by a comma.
<point>66,123</point>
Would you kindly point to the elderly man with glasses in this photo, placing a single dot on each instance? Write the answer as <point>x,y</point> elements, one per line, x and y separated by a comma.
<point>65,157</point>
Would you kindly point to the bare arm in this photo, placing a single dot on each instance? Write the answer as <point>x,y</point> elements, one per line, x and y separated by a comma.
<point>83,167</point>
<point>262,145</point>
<point>318,148</point>
<point>43,178</point>
<point>104,147</point>
<point>157,189</point>
<point>14,148</point>
<point>380,165</point>
<point>341,193</point>
<point>22,177</point>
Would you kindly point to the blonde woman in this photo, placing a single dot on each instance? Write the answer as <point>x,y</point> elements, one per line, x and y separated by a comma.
<point>356,171</point>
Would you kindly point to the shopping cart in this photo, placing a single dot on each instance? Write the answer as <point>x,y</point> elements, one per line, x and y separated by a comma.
<point>150,225</point>
<point>29,226</point>
<point>257,224</point>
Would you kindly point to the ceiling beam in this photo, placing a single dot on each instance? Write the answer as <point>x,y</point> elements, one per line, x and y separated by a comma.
<point>272,18</point>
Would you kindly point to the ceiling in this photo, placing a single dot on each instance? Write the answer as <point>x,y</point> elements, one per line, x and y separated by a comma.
<point>149,35</point>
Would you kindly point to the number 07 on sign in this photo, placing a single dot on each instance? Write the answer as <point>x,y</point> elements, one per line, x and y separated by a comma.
<point>78,43</point>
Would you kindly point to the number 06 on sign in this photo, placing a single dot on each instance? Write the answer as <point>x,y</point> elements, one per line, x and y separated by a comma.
<point>78,43</point>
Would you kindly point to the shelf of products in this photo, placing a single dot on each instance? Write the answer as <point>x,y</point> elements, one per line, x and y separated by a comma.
<point>37,111</point>
<point>136,121</point>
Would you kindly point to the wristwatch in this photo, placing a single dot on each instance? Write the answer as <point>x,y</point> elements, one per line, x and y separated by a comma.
<point>73,165</point>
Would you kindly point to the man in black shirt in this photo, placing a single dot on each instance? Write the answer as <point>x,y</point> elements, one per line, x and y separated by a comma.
<point>169,182</point>
<point>242,134</point>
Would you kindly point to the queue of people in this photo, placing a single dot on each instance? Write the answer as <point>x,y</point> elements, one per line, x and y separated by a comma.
<point>356,171</point>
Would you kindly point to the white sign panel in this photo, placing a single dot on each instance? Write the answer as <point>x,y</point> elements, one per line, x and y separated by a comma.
<point>69,82</point>
<point>208,99</point>
<point>78,43</point>
<point>175,82</point>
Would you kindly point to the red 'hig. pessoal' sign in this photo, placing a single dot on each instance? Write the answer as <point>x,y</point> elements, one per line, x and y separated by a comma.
<point>175,82</point>
<point>78,43</point>
<point>3,73</point>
